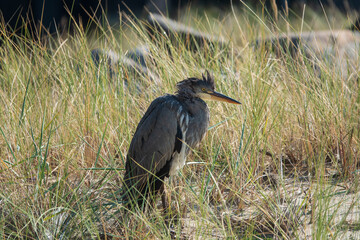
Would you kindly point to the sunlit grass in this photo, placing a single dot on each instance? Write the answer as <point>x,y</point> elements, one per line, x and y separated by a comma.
<point>283,164</point>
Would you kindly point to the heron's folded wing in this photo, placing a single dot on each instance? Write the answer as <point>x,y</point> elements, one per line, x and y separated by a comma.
<point>154,141</point>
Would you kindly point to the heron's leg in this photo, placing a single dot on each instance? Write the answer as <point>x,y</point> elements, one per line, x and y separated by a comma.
<point>164,205</point>
<point>163,197</point>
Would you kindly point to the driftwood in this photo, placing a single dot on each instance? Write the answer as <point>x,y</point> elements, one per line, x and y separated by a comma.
<point>340,47</point>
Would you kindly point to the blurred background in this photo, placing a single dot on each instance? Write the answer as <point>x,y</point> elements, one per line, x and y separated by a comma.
<point>53,16</point>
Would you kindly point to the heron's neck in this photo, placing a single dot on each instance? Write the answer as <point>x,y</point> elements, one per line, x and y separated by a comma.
<point>189,100</point>
<point>185,94</point>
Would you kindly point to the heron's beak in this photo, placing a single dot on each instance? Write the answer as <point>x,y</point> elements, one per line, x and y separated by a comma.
<point>221,97</point>
<point>215,96</point>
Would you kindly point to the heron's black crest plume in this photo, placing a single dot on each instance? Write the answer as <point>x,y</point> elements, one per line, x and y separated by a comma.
<point>209,79</point>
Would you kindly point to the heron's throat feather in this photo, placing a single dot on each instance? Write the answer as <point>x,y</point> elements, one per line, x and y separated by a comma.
<point>178,159</point>
<point>179,154</point>
<point>178,139</point>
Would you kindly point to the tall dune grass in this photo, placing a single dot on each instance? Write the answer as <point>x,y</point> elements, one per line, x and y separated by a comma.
<point>284,164</point>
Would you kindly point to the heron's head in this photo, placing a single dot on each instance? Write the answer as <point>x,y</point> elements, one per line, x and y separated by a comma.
<point>202,88</point>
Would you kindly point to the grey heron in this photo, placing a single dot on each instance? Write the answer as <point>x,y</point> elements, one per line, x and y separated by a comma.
<point>171,126</point>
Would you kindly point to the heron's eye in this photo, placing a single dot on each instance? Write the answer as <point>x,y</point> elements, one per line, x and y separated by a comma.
<point>203,89</point>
